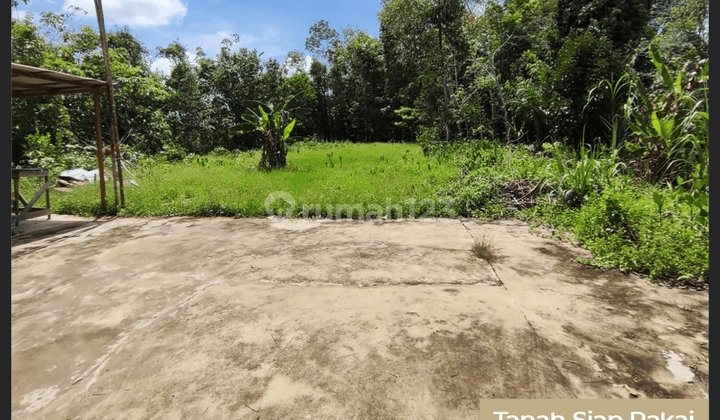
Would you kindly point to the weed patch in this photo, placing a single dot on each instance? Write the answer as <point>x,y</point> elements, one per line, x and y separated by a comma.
<point>485,249</point>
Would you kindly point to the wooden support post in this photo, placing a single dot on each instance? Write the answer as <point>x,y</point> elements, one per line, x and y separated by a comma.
<point>111,100</point>
<point>101,158</point>
<point>16,187</point>
<point>47,193</point>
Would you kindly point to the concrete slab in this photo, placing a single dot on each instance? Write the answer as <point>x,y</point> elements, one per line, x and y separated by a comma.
<point>610,330</point>
<point>240,318</point>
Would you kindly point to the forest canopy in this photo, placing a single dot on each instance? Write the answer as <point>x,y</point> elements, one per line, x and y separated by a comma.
<point>522,71</point>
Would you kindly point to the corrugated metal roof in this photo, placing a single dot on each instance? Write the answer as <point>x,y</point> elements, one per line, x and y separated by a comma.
<point>29,81</point>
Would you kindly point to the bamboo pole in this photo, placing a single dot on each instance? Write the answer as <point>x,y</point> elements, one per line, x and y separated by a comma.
<point>101,158</point>
<point>117,162</point>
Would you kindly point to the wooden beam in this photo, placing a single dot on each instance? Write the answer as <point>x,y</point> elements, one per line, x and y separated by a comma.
<point>16,189</point>
<point>36,197</point>
<point>28,211</point>
<point>101,158</point>
<point>30,172</point>
<point>47,195</point>
<point>55,76</point>
<point>28,85</point>
<point>47,92</point>
<point>28,81</point>
<point>30,214</point>
<point>111,100</point>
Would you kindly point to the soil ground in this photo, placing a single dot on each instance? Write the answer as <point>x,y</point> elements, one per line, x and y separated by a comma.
<point>244,318</point>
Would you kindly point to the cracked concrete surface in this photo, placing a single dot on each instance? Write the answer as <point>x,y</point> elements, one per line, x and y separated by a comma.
<point>240,318</point>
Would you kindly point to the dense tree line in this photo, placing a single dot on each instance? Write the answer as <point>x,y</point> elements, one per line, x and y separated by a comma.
<point>518,71</point>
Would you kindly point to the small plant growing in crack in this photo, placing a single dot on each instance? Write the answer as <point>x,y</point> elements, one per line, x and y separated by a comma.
<point>484,248</point>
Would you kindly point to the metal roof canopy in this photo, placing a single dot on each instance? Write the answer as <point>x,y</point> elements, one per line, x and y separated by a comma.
<point>28,81</point>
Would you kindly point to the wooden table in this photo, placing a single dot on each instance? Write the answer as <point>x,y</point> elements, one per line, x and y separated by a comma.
<point>29,211</point>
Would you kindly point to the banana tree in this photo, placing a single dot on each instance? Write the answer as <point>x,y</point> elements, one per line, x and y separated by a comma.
<point>271,120</point>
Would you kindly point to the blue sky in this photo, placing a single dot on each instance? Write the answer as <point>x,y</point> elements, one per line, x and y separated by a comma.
<point>272,27</point>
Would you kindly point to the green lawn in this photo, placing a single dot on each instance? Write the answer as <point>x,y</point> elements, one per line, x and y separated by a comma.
<point>367,176</point>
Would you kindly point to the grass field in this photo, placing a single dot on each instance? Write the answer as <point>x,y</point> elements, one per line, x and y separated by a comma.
<point>369,178</point>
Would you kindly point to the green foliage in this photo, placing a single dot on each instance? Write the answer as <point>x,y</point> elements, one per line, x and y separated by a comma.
<point>172,152</point>
<point>622,229</point>
<point>484,166</point>
<point>41,152</point>
<point>357,80</point>
<point>695,193</point>
<point>576,179</point>
<point>623,23</point>
<point>577,176</point>
<point>425,50</point>
<point>614,92</point>
<point>683,31</point>
<point>583,61</point>
<point>673,138</point>
<point>322,40</point>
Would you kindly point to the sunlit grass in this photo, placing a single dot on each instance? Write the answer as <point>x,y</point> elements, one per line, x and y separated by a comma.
<point>231,184</point>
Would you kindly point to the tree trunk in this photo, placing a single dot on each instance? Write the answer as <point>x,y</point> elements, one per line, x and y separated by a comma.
<point>492,115</point>
<point>274,155</point>
<point>445,94</point>
<point>500,96</point>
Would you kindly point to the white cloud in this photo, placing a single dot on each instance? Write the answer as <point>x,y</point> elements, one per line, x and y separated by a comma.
<point>213,41</point>
<point>165,66</point>
<point>162,65</point>
<point>19,14</point>
<point>306,66</point>
<point>134,13</point>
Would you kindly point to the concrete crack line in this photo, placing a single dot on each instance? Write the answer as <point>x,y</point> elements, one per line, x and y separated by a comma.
<point>537,336</point>
<point>96,368</point>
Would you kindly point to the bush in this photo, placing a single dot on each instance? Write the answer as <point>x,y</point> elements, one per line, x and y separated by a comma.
<point>623,229</point>
<point>42,153</point>
<point>220,152</point>
<point>173,152</point>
